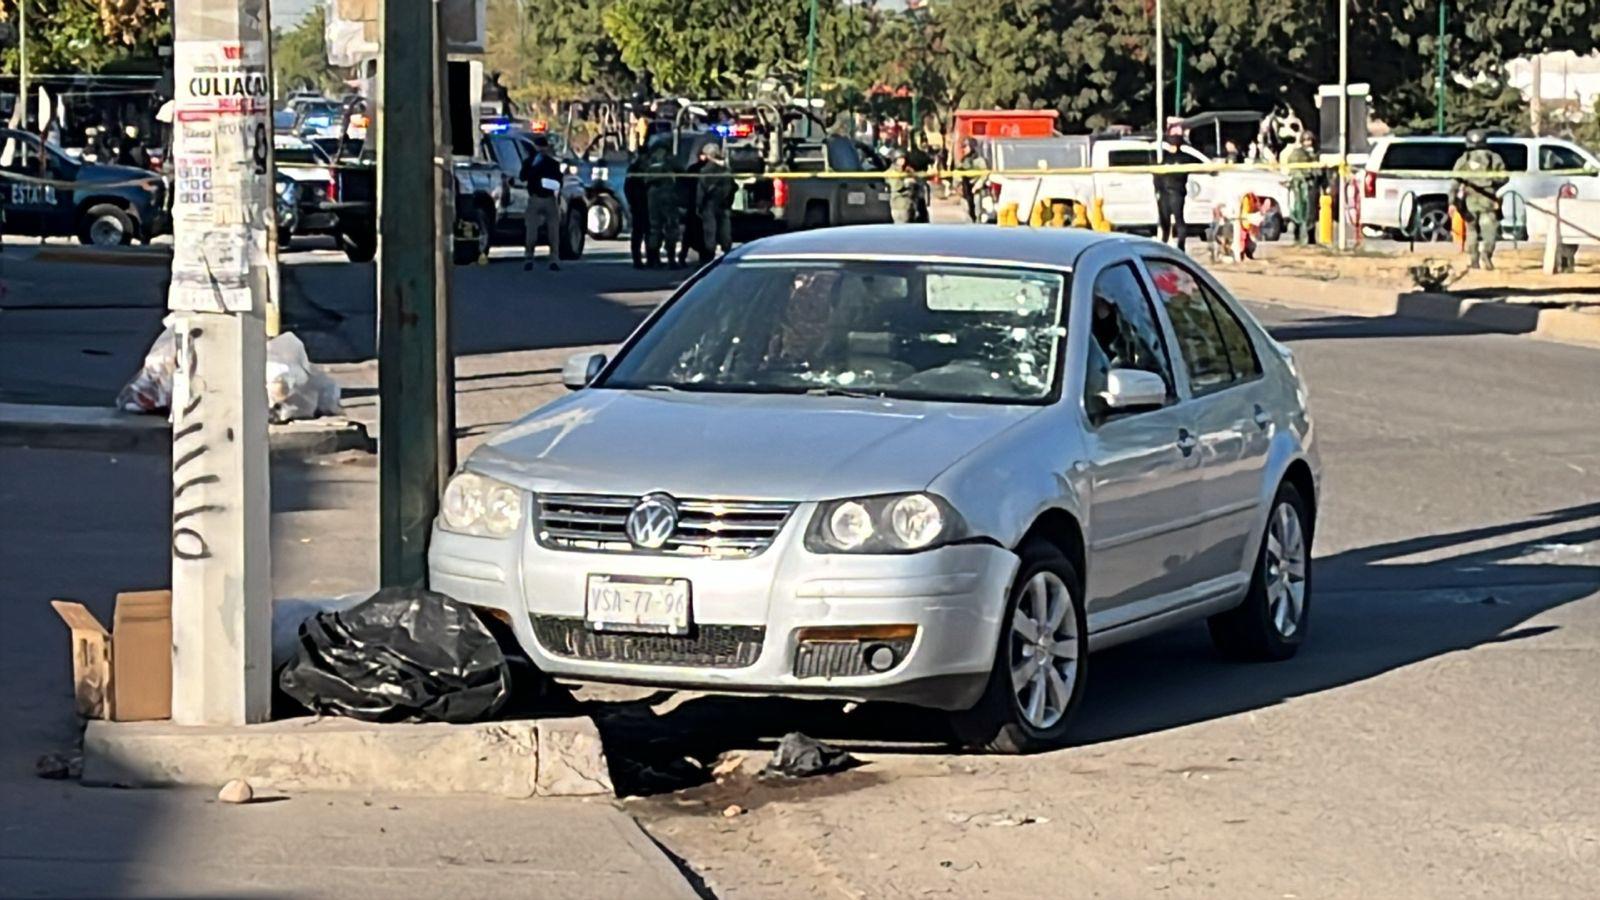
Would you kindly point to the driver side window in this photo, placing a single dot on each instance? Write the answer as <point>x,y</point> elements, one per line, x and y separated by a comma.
<point>1124,334</point>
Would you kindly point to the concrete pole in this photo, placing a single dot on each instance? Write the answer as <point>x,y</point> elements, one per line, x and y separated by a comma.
<point>221,565</point>
<point>1161,118</point>
<point>22,60</point>
<point>1344,121</point>
<point>414,171</point>
<point>1536,97</point>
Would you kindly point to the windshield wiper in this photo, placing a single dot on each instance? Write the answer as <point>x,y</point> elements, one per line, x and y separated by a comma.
<point>845,392</point>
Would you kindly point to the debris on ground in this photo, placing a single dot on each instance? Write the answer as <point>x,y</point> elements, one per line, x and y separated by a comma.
<point>727,765</point>
<point>59,766</point>
<point>401,655</point>
<point>1432,275</point>
<point>799,756</point>
<point>994,820</point>
<point>733,811</point>
<point>236,791</point>
<point>288,614</point>
<point>296,387</point>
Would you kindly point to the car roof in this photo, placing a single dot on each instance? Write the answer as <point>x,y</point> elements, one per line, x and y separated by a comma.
<point>1055,248</point>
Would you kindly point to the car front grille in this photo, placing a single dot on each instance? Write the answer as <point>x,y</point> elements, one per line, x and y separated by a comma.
<point>708,646</point>
<point>717,528</point>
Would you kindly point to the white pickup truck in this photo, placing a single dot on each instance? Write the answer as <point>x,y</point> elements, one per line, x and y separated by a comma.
<point>1130,197</point>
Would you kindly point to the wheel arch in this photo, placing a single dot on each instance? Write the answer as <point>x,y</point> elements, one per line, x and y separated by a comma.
<point>123,203</point>
<point>1059,528</point>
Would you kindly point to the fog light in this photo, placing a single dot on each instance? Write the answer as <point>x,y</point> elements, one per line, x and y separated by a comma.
<point>880,657</point>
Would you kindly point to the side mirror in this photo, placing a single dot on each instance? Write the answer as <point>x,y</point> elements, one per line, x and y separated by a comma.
<point>1131,389</point>
<point>582,369</point>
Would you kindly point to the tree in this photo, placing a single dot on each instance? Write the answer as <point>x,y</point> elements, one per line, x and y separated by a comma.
<point>69,36</point>
<point>555,50</point>
<point>300,56</point>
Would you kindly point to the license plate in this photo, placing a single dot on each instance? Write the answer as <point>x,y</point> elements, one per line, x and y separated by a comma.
<point>855,199</point>
<point>627,603</point>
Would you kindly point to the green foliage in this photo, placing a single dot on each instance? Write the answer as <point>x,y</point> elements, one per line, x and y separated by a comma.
<point>554,50</point>
<point>69,36</point>
<point>300,56</point>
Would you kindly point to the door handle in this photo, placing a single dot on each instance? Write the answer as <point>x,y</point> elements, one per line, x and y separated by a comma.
<point>1262,419</point>
<point>1187,442</point>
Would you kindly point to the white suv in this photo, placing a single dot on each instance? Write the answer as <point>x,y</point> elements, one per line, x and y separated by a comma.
<point>1392,203</point>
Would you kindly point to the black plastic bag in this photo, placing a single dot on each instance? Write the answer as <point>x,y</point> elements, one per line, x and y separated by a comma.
<point>799,756</point>
<point>401,655</point>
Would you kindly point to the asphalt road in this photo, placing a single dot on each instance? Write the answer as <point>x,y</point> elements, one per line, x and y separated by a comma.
<point>1435,738</point>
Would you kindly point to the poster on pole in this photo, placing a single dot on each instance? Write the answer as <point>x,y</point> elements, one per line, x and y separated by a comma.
<point>221,188</point>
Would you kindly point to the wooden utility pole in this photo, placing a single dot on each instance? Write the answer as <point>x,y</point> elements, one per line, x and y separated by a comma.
<point>221,500</point>
<point>415,196</point>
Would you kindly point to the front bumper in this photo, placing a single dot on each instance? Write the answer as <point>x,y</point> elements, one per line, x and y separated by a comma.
<point>748,614</point>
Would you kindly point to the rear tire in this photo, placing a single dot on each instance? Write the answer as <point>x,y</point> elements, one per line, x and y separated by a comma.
<point>816,215</point>
<point>469,250</point>
<point>1433,221</point>
<point>1038,676</point>
<point>1271,623</point>
<point>105,225</point>
<point>359,246</point>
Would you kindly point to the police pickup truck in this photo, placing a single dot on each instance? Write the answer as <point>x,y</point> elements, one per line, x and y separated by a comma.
<point>104,206</point>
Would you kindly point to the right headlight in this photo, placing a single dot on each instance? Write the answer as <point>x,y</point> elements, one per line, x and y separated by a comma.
<point>888,523</point>
<point>481,506</point>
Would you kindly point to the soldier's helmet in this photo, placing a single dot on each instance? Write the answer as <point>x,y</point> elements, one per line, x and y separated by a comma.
<point>1477,139</point>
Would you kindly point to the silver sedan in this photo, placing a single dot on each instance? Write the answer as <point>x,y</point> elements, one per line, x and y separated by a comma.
<point>937,464</point>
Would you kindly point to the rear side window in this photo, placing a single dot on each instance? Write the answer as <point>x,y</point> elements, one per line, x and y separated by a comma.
<point>842,155</point>
<point>1214,343</point>
<point>1123,334</point>
<point>1431,156</point>
<point>1514,154</point>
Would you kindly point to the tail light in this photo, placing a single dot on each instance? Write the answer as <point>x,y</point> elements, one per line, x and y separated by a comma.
<point>333,190</point>
<point>994,190</point>
<point>1371,184</point>
<point>780,195</point>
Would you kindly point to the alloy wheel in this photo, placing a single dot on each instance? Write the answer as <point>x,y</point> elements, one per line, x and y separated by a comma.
<point>106,232</point>
<point>1044,650</point>
<point>1285,573</point>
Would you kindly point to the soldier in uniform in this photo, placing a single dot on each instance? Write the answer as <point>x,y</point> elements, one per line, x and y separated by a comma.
<point>1305,187</point>
<point>1478,198</point>
<point>713,199</point>
<point>971,161</point>
<point>666,222</point>
<point>902,190</point>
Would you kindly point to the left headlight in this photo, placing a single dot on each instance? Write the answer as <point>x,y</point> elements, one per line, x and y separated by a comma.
<point>481,506</point>
<point>890,523</point>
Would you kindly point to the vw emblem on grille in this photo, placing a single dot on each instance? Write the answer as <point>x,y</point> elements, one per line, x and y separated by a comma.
<point>652,521</point>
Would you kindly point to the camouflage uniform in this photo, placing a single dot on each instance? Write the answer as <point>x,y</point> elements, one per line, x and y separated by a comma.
<point>713,199</point>
<point>902,193</point>
<point>1480,203</point>
<point>666,219</point>
<point>1304,192</point>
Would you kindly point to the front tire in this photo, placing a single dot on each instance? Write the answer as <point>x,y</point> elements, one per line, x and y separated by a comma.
<point>604,218</point>
<point>573,235</point>
<point>1270,625</point>
<point>1040,662</point>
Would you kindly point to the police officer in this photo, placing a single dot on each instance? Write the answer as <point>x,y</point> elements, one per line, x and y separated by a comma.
<point>902,190</point>
<point>542,176</point>
<point>1172,188</point>
<point>1478,198</point>
<point>666,220</point>
<point>971,161</point>
<point>636,190</point>
<point>713,198</point>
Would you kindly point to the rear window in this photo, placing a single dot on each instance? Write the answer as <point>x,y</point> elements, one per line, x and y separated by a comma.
<point>1043,155</point>
<point>1131,158</point>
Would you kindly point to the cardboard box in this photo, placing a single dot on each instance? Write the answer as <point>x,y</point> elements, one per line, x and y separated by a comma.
<point>124,675</point>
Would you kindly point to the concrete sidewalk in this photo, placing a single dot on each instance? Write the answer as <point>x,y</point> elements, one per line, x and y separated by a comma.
<point>100,842</point>
<point>82,525</point>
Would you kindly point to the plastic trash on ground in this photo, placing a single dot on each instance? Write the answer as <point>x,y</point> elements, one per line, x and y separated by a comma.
<point>296,389</point>
<point>401,655</point>
<point>799,756</point>
<point>288,614</point>
<point>150,389</point>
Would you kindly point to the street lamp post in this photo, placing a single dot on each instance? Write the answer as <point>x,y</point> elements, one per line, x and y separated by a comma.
<point>1344,118</point>
<point>811,58</point>
<point>1160,80</point>
<point>1439,79</point>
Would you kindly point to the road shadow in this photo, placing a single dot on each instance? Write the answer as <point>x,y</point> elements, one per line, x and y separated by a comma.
<point>1374,611</point>
<point>1340,327</point>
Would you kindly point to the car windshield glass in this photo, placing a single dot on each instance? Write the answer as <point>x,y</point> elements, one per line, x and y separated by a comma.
<point>894,329</point>
<point>1043,155</point>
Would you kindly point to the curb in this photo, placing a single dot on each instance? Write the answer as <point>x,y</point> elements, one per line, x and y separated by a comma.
<point>45,427</point>
<point>516,759</point>
<point>1339,295</point>
<point>93,256</point>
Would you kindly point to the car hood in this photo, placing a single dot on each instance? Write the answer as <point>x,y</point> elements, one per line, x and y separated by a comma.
<point>745,446</point>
